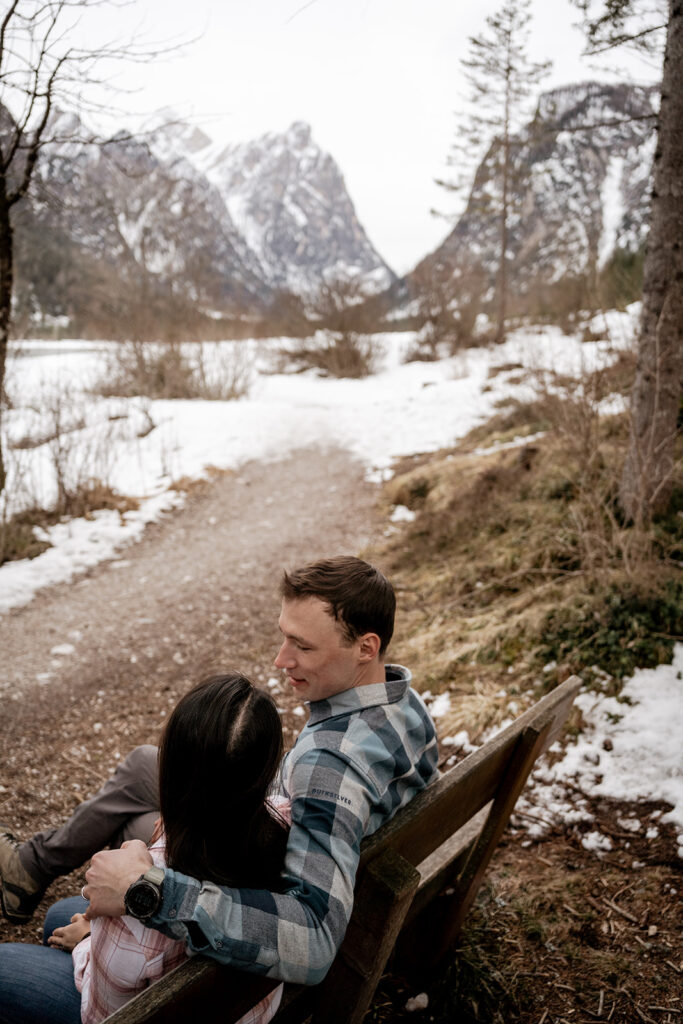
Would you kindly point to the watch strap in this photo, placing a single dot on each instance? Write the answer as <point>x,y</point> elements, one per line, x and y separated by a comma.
<point>154,875</point>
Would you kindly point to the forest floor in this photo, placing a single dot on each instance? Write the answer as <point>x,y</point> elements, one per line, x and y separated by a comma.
<point>91,668</point>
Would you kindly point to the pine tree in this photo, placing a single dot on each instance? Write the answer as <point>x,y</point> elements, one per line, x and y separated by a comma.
<point>501,78</point>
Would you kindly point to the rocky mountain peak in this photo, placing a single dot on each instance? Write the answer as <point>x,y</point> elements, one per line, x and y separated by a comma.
<point>586,103</point>
<point>289,200</point>
<point>580,188</point>
<point>173,222</point>
<point>298,135</point>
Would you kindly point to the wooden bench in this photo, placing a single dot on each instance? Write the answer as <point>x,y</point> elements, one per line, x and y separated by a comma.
<point>440,844</point>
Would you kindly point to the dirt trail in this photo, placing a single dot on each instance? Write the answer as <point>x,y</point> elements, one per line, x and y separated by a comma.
<point>197,594</point>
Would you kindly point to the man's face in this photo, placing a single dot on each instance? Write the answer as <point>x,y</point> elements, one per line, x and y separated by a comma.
<point>318,659</point>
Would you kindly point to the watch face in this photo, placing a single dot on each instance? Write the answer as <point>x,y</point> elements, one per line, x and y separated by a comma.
<point>142,898</point>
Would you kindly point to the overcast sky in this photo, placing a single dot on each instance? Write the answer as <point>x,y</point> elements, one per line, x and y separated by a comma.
<point>378,80</point>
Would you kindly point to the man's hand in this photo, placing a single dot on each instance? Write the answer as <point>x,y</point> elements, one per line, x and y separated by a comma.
<point>109,875</point>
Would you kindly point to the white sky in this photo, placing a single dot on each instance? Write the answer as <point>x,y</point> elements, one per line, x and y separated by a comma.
<point>378,80</point>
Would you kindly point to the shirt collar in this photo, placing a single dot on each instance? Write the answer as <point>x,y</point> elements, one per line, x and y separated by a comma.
<point>398,680</point>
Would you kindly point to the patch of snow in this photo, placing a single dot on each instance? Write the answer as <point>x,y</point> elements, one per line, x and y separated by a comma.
<point>441,705</point>
<point>418,1002</point>
<point>612,208</point>
<point>77,545</point>
<point>597,842</point>
<point>402,514</point>
<point>629,749</point>
<point>63,649</point>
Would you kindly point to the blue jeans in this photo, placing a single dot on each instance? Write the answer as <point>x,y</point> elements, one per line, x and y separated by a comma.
<point>37,982</point>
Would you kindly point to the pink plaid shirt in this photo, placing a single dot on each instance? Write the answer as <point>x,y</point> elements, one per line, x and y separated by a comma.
<point>121,957</point>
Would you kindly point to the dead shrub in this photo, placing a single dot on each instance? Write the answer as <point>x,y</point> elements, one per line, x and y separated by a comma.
<point>450,302</point>
<point>343,345</point>
<point>78,449</point>
<point>18,537</point>
<point>174,371</point>
<point>93,495</point>
<point>332,353</point>
<point>20,534</point>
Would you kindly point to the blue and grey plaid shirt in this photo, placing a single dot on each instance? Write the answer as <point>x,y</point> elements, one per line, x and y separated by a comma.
<point>363,754</point>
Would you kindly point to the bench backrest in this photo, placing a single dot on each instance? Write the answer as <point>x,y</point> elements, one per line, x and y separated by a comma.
<point>444,837</point>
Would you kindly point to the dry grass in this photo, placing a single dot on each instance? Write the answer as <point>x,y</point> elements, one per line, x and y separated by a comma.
<point>339,354</point>
<point>513,549</point>
<point>22,536</point>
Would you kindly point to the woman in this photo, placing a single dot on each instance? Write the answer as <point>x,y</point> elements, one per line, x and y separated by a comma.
<point>218,757</point>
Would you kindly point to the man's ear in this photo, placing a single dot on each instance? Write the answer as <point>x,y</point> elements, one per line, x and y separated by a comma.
<point>369,647</point>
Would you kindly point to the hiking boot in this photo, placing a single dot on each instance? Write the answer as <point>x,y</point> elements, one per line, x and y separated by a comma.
<point>19,893</point>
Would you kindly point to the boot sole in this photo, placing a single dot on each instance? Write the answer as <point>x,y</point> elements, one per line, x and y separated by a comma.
<point>12,916</point>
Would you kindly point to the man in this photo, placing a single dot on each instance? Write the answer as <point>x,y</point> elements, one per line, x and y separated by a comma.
<point>369,746</point>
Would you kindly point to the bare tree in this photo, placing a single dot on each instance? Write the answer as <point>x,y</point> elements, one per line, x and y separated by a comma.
<point>501,78</point>
<point>449,303</point>
<point>342,345</point>
<point>647,478</point>
<point>41,69</point>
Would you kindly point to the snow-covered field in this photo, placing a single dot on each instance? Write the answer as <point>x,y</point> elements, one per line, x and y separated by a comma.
<point>402,409</point>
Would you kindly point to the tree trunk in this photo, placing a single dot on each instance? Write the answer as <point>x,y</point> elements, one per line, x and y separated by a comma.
<point>647,478</point>
<point>503,270</point>
<point>505,212</point>
<point>6,254</point>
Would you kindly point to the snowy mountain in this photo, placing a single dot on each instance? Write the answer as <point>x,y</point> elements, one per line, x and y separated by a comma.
<point>289,201</point>
<point>171,225</point>
<point>116,234</point>
<point>581,180</point>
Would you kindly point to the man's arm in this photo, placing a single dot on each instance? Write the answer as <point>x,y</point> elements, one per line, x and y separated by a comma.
<point>292,935</point>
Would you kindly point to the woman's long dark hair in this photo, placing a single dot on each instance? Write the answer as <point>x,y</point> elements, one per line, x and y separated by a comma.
<point>218,756</point>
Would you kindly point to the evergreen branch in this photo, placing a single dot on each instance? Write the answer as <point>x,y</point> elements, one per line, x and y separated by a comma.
<point>623,39</point>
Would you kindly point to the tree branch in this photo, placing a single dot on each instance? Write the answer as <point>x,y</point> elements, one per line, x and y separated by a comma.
<point>621,40</point>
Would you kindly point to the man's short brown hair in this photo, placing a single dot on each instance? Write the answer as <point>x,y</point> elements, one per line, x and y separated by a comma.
<point>360,597</point>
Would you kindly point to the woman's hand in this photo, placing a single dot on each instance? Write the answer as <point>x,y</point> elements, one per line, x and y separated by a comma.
<point>71,934</point>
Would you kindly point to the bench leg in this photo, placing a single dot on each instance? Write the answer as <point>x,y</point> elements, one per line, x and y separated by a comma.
<point>454,908</point>
<point>383,898</point>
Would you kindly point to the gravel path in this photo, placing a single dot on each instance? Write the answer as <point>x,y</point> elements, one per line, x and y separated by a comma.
<point>90,668</point>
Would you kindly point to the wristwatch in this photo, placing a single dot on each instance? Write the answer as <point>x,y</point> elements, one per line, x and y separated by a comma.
<point>143,897</point>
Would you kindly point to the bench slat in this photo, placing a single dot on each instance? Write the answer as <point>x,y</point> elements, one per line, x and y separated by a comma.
<point>198,989</point>
<point>444,807</point>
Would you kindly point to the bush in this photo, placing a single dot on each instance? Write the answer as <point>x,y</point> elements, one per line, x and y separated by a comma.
<point>20,534</point>
<point>159,370</point>
<point>622,631</point>
<point>333,353</point>
<point>18,538</point>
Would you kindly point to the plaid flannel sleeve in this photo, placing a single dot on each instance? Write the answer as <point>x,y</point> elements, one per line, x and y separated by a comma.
<point>294,934</point>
